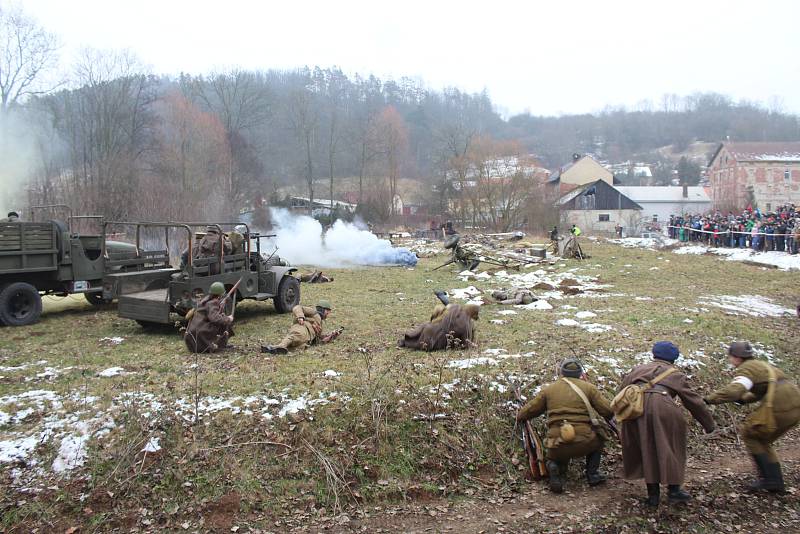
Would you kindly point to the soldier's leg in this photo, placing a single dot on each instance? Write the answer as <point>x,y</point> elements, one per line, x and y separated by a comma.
<point>297,337</point>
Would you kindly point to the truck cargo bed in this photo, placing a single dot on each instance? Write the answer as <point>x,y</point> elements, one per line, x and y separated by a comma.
<point>148,306</point>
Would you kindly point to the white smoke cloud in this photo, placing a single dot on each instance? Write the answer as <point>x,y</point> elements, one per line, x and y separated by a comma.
<point>301,240</point>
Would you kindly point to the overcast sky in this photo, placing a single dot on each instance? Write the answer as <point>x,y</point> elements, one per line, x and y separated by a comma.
<point>548,57</point>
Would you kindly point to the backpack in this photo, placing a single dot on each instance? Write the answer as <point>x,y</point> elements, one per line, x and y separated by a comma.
<point>628,404</point>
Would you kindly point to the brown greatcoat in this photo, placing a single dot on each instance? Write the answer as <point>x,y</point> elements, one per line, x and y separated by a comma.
<point>562,404</point>
<point>209,328</point>
<point>654,445</point>
<point>451,326</point>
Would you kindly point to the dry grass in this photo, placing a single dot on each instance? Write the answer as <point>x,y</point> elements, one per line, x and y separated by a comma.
<point>378,440</point>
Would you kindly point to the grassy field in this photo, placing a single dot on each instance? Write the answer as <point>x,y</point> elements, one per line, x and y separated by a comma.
<point>266,442</point>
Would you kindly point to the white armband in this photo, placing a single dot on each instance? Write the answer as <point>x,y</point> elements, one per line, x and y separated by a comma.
<point>743,380</point>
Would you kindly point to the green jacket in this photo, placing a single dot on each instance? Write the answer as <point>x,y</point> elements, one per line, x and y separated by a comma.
<point>562,403</point>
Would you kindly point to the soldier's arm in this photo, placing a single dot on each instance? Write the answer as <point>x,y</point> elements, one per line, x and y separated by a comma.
<point>733,392</point>
<point>301,312</point>
<point>601,404</point>
<point>533,408</point>
<point>693,402</point>
<point>215,314</point>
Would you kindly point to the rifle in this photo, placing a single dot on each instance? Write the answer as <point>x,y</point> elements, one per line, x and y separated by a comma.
<point>533,447</point>
<point>229,294</point>
<point>448,262</point>
<point>333,335</point>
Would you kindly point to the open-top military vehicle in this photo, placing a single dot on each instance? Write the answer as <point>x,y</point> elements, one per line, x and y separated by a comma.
<point>150,299</point>
<point>51,258</point>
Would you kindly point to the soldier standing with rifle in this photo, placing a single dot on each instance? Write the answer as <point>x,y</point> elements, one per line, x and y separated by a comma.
<point>306,330</point>
<point>573,408</point>
<point>209,327</point>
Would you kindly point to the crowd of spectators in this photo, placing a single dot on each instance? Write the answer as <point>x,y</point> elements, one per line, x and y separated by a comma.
<point>777,230</point>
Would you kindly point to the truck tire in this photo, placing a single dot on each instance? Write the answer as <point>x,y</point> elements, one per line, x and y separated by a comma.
<point>20,304</point>
<point>96,299</point>
<point>288,295</point>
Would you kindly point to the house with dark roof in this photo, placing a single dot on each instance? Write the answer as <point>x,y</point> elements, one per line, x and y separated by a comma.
<point>764,175</point>
<point>581,170</point>
<point>597,207</point>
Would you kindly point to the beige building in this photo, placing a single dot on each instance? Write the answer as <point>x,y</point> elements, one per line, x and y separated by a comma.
<point>764,175</point>
<point>583,170</point>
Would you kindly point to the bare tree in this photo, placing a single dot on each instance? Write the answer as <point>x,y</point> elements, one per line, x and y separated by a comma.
<point>26,52</point>
<point>303,118</point>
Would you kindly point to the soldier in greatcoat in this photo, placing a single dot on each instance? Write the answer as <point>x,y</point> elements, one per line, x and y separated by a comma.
<point>305,330</point>
<point>209,327</point>
<point>570,433</point>
<point>450,326</point>
<point>766,424</point>
<point>654,444</point>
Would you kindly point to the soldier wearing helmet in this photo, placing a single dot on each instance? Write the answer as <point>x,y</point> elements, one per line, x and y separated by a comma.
<point>306,329</point>
<point>572,431</point>
<point>209,327</point>
<point>756,380</point>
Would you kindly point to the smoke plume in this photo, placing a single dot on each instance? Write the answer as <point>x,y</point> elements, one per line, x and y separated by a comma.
<point>301,240</point>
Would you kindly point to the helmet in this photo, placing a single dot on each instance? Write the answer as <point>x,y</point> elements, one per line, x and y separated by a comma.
<point>217,289</point>
<point>741,349</point>
<point>211,229</point>
<point>324,304</point>
<point>571,368</point>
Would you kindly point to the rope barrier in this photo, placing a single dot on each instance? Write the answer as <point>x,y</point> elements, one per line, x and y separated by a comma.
<point>724,232</point>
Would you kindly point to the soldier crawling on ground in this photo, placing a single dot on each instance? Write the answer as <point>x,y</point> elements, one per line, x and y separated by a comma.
<point>306,329</point>
<point>451,326</point>
<point>317,277</point>
<point>514,296</point>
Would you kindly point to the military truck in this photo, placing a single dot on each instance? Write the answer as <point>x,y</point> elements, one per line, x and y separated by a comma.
<point>50,258</point>
<point>262,277</point>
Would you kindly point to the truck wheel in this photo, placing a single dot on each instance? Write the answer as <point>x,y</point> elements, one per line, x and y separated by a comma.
<point>96,299</point>
<point>20,304</point>
<point>288,295</point>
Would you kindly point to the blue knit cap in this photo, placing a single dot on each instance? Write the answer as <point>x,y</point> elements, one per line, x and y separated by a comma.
<point>666,350</point>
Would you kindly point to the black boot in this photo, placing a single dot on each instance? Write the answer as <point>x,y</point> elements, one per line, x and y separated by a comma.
<point>593,474</point>
<point>653,495</point>
<point>761,461</point>
<point>441,295</point>
<point>773,478</point>
<point>273,349</point>
<point>556,482</point>
<point>676,495</point>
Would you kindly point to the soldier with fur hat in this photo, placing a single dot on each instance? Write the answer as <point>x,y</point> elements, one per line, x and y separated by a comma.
<point>306,329</point>
<point>571,432</point>
<point>756,380</point>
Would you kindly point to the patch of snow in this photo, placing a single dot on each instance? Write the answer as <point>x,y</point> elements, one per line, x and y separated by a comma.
<point>753,305</point>
<point>494,352</point>
<point>567,322</point>
<point>585,315</point>
<point>152,445</point>
<point>112,340</point>
<point>466,293</point>
<point>330,373</point>
<point>111,371</point>
<point>497,321</point>
<point>13,368</point>
<point>540,304</point>
<point>596,328</point>
<point>781,260</point>
<point>506,312</point>
<point>72,452</point>
<point>471,362</point>
<point>688,321</point>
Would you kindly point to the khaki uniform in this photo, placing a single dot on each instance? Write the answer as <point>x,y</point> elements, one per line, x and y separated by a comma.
<point>303,335</point>
<point>563,404</point>
<point>516,296</point>
<point>753,376</point>
<point>450,326</point>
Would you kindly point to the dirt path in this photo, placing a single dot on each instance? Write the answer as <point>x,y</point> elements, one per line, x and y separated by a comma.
<point>719,505</point>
